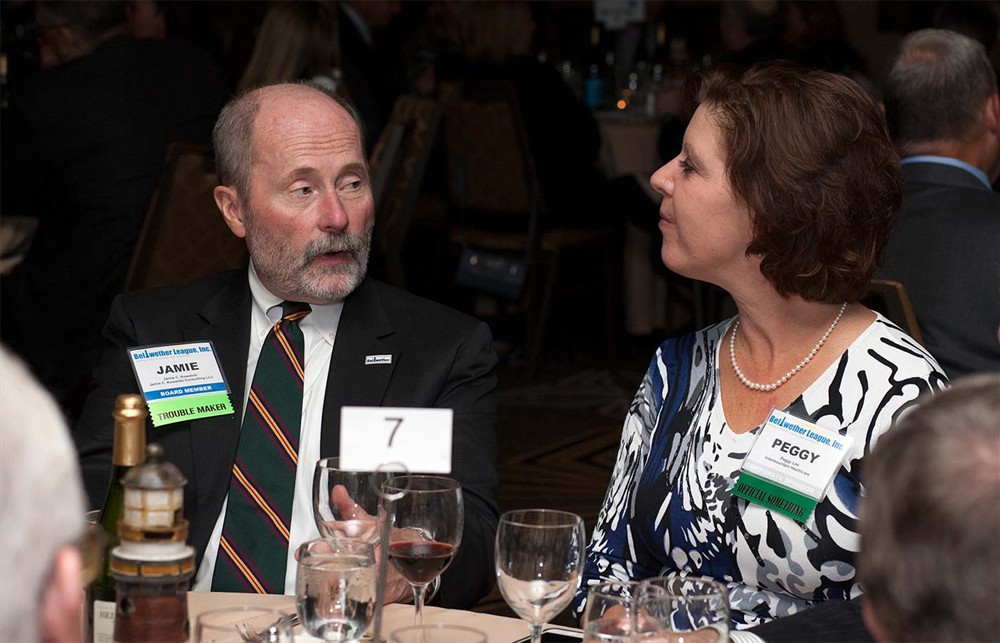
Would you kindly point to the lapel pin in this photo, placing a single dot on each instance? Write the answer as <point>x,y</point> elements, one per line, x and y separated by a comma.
<point>378,359</point>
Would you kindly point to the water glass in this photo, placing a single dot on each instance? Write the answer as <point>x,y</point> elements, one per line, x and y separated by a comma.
<point>335,588</point>
<point>685,609</point>
<point>438,633</point>
<point>240,624</point>
<point>610,614</point>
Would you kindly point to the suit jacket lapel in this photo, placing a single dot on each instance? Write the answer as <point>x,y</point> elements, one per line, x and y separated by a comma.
<point>365,329</point>
<point>225,320</point>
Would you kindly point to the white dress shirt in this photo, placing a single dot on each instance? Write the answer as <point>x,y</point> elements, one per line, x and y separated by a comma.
<point>319,328</point>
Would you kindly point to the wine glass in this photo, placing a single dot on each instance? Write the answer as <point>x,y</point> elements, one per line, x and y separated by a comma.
<point>346,503</point>
<point>539,556</point>
<point>426,513</point>
<point>687,609</point>
<point>335,588</point>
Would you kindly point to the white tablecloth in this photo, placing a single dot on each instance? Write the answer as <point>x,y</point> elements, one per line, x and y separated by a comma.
<point>498,629</point>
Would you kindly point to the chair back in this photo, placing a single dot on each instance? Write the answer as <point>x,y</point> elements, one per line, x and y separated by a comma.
<point>398,162</point>
<point>889,298</point>
<point>490,165</point>
<point>184,236</point>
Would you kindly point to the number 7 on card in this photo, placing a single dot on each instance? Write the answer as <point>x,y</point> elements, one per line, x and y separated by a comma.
<point>391,438</point>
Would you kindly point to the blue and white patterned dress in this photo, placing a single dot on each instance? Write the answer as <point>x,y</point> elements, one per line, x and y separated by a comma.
<point>670,510</point>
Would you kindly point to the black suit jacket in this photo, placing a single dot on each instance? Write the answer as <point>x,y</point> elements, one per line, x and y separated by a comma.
<point>945,250</point>
<point>441,359</point>
<point>831,621</point>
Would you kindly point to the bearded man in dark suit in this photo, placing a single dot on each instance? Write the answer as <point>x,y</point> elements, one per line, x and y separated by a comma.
<point>295,185</point>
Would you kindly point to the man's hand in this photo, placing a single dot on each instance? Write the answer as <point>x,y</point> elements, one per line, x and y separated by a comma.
<point>357,523</point>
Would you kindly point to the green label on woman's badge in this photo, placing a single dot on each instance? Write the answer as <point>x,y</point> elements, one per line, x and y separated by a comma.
<point>791,465</point>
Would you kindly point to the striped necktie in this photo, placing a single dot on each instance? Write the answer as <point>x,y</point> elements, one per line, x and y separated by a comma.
<point>254,544</point>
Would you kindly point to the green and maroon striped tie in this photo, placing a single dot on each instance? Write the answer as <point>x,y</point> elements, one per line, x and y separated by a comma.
<point>254,544</point>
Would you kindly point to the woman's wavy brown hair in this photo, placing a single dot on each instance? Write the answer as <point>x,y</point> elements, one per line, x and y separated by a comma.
<point>810,156</point>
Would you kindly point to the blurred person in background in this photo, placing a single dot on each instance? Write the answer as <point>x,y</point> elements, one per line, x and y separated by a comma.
<point>930,521</point>
<point>297,41</point>
<point>84,143</point>
<point>41,514</point>
<point>943,111</point>
<point>784,194</point>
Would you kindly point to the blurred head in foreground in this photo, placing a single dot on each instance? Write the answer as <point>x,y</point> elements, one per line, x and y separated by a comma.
<point>41,513</point>
<point>930,524</point>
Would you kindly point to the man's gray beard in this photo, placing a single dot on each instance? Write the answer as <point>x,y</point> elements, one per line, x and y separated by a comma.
<point>294,279</point>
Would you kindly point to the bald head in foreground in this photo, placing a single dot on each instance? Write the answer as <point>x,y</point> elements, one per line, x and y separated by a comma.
<point>41,513</point>
<point>930,524</point>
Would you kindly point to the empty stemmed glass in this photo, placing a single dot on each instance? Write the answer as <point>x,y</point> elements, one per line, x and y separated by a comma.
<point>539,557</point>
<point>346,503</point>
<point>427,515</point>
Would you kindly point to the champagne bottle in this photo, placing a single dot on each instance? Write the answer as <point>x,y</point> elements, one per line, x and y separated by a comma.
<point>129,450</point>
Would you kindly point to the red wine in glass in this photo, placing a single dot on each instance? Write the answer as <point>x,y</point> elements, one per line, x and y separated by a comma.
<point>420,561</point>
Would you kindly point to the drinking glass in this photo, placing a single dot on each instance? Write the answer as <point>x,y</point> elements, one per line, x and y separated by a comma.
<point>335,588</point>
<point>437,633</point>
<point>685,609</point>
<point>610,613</point>
<point>426,513</point>
<point>539,555</point>
<point>240,624</point>
<point>345,503</point>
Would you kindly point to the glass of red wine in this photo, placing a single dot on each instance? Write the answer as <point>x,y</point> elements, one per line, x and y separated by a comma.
<point>426,514</point>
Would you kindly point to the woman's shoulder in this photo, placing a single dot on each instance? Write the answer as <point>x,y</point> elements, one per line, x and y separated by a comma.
<point>689,357</point>
<point>881,374</point>
<point>885,344</point>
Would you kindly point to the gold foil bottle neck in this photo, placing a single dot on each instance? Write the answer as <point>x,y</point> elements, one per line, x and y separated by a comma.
<point>130,430</point>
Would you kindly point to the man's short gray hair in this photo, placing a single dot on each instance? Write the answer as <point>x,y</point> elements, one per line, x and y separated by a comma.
<point>41,496</point>
<point>937,87</point>
<point>930,522</point>
<point>233,134</point>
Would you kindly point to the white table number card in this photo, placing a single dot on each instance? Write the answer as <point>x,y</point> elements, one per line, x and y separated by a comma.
<point>393,438</point>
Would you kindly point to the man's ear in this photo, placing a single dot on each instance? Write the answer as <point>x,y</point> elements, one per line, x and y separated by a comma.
<point>871,620</point>
<point>231,207</point>
<point>991,113</point>
<point>62,598</point>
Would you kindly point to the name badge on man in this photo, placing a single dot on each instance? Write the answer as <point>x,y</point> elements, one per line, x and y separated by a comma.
<point>181,382</point>
<point>395,439</point>
<point>791,465</point>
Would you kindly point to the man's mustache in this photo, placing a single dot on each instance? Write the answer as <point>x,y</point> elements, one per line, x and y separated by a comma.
<point>343,242</point>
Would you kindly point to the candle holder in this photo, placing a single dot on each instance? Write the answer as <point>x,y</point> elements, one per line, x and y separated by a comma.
<point>153,565</point>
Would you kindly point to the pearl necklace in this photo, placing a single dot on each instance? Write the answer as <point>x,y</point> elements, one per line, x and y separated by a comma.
<point>787,376</point>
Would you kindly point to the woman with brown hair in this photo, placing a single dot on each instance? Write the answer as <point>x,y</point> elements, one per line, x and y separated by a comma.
<point>784,194</point>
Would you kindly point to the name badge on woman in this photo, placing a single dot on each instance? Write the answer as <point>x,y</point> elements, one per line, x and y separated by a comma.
<point>791,465</point>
